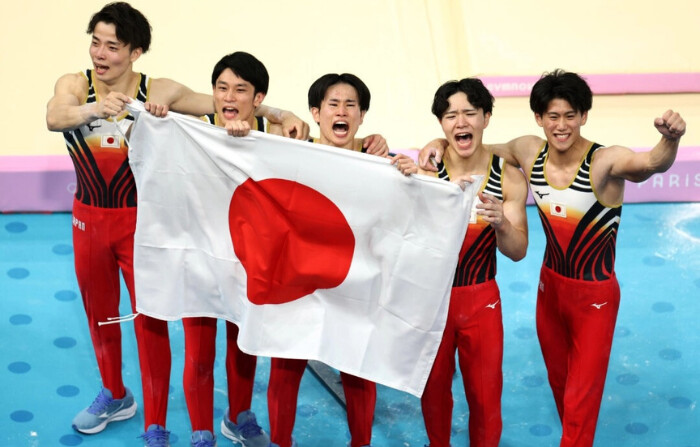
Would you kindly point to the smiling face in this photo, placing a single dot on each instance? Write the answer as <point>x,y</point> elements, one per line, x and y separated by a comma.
<point>235,98</point>
<point>111,58</point>
<point>464,124</point>
<point>339,116</point>
<point>561,124</point>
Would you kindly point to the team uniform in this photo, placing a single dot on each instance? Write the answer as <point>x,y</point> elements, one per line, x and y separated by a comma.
<point>474,329</point>
<point>200,352</point>
<point>283,391</point>
<point>104,222</point>
<point>578,294</point>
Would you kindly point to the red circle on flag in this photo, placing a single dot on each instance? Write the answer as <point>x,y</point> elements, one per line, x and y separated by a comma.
<point>557,209</point>
<point>291,240</point>
<point>110,140</point>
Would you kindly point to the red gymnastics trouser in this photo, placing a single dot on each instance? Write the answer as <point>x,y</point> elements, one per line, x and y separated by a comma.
<point>474,328</point>
<point>103,244</point>
<point>282,392</point>
<point>198,377</point>
<point>575,325</point>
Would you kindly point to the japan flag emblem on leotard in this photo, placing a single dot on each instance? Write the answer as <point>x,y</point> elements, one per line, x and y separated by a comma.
<point>110,141</point>
<point>557,209</point>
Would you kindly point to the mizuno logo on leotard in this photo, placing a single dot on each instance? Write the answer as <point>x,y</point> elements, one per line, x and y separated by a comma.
<point>541,194</point>
<point>493,306</point>
<point>598,306</point>
<point>93,127</point>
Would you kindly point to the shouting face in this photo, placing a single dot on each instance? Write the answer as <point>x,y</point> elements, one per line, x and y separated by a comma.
<point>235,98</point>
<point>561,124</point>
<point>339,116</point>
<point>464,124</point>
<point>111,58</point>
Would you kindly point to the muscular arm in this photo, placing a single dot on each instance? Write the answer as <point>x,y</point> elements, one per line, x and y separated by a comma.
<point>273,115</point>
<point>519,152</point>
<point>66,111</point>
<point>179,98</point>
<point>291,125</point>
<point>182,99</point>
<point>509,218</point>
<point>639,166</point>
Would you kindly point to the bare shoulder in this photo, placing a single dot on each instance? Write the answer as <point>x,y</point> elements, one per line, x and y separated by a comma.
<point>608,155</point>
<point>512,172</point>
<point>528,144</point>
<point>612,151</point>
<point>75,84</point>
<point>70,92</point>
<point>610,166</point>
<point>514,182</point>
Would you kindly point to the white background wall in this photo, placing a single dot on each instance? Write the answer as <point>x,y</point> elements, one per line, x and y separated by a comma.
<point>402,49</point>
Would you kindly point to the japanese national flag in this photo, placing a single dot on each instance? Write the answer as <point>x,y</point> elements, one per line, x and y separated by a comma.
<point>315,252</point>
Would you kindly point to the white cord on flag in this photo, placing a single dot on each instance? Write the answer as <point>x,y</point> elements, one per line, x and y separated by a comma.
<point>135,109</point>
<point>130,317</point>
<point>123,134</point>
<point>118,320</point>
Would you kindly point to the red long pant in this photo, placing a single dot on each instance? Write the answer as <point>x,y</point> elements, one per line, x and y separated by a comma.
<point>198,377</point>
<point>282,392</point>
<point>474,329</point>
<point>575,325</point>
<point>103,244</point>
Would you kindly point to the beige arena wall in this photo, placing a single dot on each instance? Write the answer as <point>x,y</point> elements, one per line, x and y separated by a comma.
<point>403,50</point>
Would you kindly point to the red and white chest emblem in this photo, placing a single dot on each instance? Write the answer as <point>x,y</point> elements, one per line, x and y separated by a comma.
<point>557,209</point>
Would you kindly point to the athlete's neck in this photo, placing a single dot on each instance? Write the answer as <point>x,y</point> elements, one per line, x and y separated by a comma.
<point>475,164</point>
<point>126,84</point>
<point>568,157</point>
<point>349,145</point>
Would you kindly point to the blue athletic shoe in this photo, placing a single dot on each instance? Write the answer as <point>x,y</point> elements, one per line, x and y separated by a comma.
<point>156,436</point>
<point>103,410</point>
<point>203,438</point>
<point>247,433</point>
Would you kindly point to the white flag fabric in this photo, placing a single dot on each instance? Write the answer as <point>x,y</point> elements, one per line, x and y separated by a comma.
<point>314,252</point>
